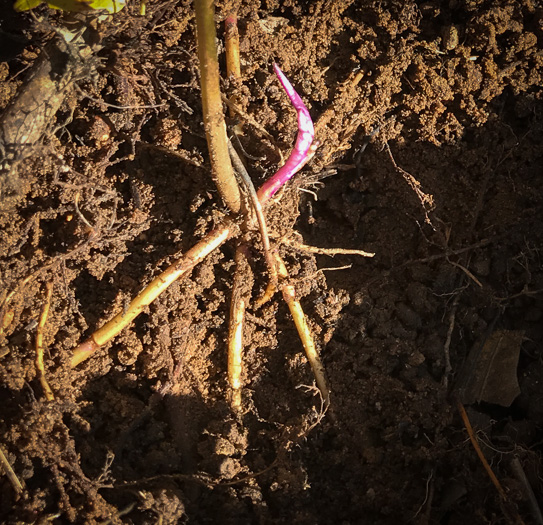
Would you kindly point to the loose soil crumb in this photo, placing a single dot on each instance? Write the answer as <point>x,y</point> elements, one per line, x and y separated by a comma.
<point>142,432</point>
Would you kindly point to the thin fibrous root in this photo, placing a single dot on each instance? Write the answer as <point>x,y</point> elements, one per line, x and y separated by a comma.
<point>304,332</point>
<point>39,343</point>
<point>10,473</point>
<point>475,443</point>
<point>299,246</point>
<point>241,291</point>
<point>180,268</point>
<point>426,200</point>
<point>257,208</point>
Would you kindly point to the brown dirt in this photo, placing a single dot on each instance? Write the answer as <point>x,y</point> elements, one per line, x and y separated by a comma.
<point>142,432</point>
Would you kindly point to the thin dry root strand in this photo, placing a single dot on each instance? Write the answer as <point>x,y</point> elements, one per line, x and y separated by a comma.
<point>5,313</point>
<point>426,200</point>
<point>13,479</point>
<point>299,246</point>
<point>240,298</point>
<point>39,343</point>
<point>180,268</point>
<point>475,443</point>
<point>257,208</point>
<point>304,332</point>
<point>510,512</point>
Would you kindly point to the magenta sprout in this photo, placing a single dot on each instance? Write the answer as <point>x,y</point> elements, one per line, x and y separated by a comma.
<point>299,155</point>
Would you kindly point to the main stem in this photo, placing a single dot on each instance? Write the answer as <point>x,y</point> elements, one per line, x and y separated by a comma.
<point>215,127</point>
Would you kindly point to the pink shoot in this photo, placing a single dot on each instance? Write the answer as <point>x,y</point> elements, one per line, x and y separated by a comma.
<point>299,155</point>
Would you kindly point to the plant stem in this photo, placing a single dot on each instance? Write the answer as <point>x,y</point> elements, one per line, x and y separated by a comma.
<point>214,124</point>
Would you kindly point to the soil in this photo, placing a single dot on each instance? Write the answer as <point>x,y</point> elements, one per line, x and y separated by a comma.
<point>430,119</point>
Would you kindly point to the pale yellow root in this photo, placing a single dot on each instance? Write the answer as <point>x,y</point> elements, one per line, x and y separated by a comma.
<point>39,343</point>
<point>231,46</point>
<point>304,332</point>
<point>300,246</point>
<point>269,292</point>
<point>235,350</point>
<point>240,298</point>
<point>180,268</point>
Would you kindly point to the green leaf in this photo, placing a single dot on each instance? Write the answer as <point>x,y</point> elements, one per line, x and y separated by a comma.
<point>111,6</point>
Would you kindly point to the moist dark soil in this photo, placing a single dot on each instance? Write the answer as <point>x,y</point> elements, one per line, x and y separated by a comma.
<point>430,122</point>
